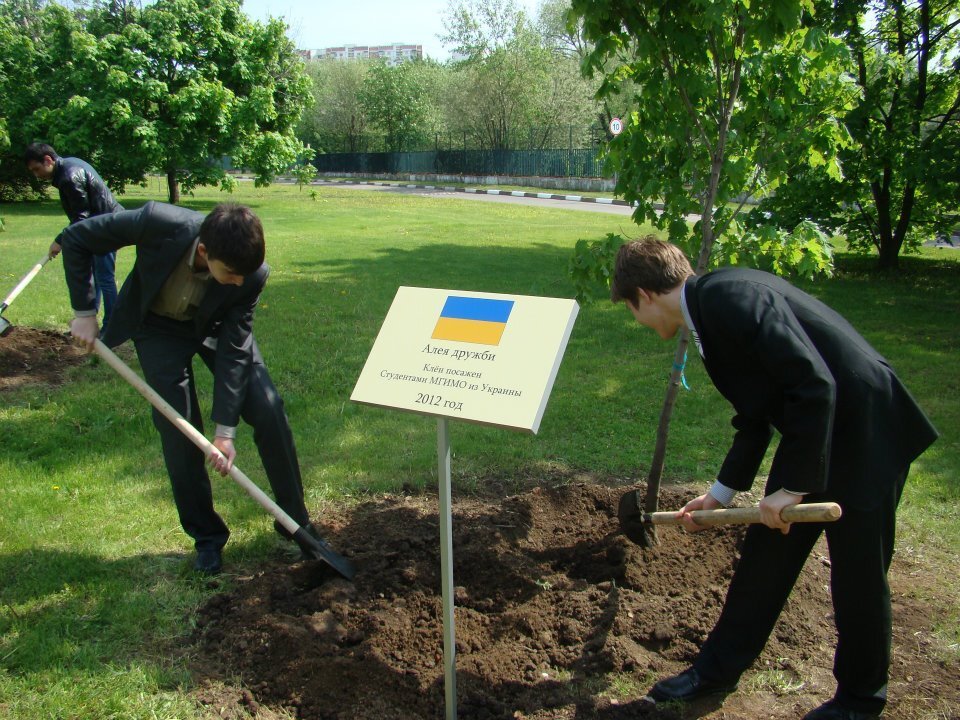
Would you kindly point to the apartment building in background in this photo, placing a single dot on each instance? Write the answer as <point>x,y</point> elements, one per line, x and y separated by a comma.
<point>394,54</point>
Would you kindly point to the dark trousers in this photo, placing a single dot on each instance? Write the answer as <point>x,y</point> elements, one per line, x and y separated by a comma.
<point>861,549</point>
<point>166,355</point>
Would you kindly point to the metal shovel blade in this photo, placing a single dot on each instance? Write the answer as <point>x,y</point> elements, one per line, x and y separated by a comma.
<point>319,550</point>
<point>633,522</point>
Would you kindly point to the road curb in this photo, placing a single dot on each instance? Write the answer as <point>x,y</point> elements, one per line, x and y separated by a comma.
<point>482,191</point>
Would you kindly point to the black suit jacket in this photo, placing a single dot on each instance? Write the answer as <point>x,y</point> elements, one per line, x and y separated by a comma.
<point>785,360</point>
<point>162,234</point>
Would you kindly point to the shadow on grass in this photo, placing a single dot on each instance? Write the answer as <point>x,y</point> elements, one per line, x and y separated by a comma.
<point>318,320</point>
<point>344,311</point>
<point>79,607</point>
<point>63,609</point>
<point>336,321</point>
<point>530,269</point>
<point>911,313</point>
<point>32,208</point>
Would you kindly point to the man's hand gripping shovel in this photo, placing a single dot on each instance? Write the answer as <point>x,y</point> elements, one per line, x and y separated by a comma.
<point>638,525</point>
<point>312,546</point>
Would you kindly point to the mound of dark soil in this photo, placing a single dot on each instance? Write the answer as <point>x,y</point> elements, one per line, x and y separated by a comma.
<point>31,356</point>
<point>558,616</point>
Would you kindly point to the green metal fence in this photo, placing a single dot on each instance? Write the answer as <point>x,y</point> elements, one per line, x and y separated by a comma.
<point>578,162</point>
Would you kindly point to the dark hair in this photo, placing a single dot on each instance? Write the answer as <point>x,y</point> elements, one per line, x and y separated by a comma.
<point>233,235</point>
<point>649,264</point>
<point>35,152</point>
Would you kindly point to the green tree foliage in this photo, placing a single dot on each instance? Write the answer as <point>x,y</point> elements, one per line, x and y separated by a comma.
<point>304,173</point>
<point>591,266</point>
<point>729,97</point>
<point>805,251</point>
<point>901,175</point>
<point>512,87</point>
<point>513,84</point>
<point>565,35</point>
<point>20,72</point>
<point>7,40</point>
<point>395,100</point>
<point>553,26</point>
<point>173,86</point>
<point>336,121</point>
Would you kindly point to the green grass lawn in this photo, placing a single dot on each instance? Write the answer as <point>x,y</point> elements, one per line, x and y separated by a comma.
<point>97,594</point>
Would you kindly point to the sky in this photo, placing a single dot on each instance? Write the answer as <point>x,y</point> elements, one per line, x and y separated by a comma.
<point>330,23</point>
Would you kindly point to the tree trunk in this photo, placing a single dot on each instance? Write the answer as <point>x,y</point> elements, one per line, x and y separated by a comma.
<point>663,429</point>
<point>706,246</point>
<point>891,236</point>
<point>655,475</point>
<point>889,254</point>
<point>173,187</point>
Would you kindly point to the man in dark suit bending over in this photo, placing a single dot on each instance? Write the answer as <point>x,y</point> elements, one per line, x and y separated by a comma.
<point>849,431</point>
<point>192,292</point>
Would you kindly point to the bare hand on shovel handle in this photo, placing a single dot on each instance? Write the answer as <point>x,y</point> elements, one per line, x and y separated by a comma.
<point>307,542</point>
<point>221,455</point>
<point>638,526</point>
<point>804,512</point>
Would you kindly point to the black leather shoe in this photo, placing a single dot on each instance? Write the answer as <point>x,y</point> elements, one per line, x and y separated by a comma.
<point>687,686</point>
<point>208,561</point>
<point>833,710</point>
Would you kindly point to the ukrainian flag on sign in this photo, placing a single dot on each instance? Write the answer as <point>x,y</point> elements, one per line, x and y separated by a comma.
<point>472,320</point>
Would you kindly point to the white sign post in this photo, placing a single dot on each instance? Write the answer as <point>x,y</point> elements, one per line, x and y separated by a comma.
<point>479,357</point>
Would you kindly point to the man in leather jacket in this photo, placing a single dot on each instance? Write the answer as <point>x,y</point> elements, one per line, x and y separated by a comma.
<point>83,194</point>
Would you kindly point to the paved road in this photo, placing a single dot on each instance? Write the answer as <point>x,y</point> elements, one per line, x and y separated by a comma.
<point>503,196</point>
<point>943,243</point>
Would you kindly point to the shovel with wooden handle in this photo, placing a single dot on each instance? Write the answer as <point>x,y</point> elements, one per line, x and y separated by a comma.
<point>5,325</point>
<point>312,546</point>
<point>804,512</point>
<point>637,525</point>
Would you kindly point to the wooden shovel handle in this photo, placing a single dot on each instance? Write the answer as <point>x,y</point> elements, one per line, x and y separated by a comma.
<point>303,536</point>
<point>804,512</point>
<point>25,281</point>
<point>195,436</point>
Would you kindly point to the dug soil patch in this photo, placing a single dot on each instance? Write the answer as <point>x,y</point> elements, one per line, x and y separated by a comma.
<point>558,616</point>
<point>29,356</point>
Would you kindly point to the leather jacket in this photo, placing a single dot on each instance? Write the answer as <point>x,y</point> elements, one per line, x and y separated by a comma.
<point>83,193</point>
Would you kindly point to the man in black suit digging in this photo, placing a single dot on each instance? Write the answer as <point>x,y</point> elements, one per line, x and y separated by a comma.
<point>849,431</point>
<point>192,292</point>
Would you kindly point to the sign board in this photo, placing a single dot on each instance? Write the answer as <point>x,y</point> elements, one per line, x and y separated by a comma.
<point>616,126</point>
<point>480,357</point>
